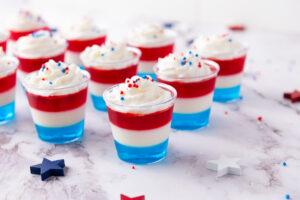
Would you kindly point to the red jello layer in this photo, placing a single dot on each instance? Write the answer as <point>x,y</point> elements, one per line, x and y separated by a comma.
<point>8,82</point>
<point>135,121</point>
<point>80,45</point>
<point>3,45</point>
<point>230,66</point>
<point>153,53</point>
<point>15,35</point>
<point>57,103</point>
<point>111,75</point>
<point>28,65</point>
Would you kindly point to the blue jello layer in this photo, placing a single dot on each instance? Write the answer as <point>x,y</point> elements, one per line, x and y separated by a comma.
<point>99,103</point>
<point>60,135</point>
<point>142,155</point>
<point>227,94</point>
<point>152,75</point>
<point>7,112</point>
<point>183,121</point>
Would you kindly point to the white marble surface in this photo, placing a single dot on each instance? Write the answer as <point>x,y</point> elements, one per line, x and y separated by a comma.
<point>95,172</point>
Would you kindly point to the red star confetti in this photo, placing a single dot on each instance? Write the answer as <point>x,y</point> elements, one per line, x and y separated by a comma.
<point>259,118</point>
<point>293,96</point>
<point>124,197</point>
<point>236,27</point>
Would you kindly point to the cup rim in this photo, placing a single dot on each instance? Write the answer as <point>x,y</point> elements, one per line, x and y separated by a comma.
<point>162,85</point>
<point>27,86</point>
<point>132,49</point>
<point>11,59</point>
<point>190,78</point>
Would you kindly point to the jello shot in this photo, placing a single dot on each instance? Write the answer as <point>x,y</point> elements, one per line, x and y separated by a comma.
<point>23,23</point>
<point>8,68</point>
<point>230,54</point>
<point>108,65</point>
<point>57,96</point>
<point>3,40</point>
<point>154,42</point>
<point>81,34</point>
<point>37,48</point>
<point>194,80</point>
<point>140,113</point>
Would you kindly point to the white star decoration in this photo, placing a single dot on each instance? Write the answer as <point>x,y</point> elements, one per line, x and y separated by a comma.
<point>224,165</point>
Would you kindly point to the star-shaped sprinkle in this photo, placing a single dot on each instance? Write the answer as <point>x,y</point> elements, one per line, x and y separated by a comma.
<point>124,197</point>
<point>224,165</point>
<point>48,168</point>
<point>293,96</point>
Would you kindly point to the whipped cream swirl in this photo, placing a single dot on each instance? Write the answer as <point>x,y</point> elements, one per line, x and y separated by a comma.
<point>83,29</point>
<point>221,46</point>
<point>182,65</point>
<point>40,44</point>
<point>54,76</point>
<point>26,21</point>
<point>110,55</point>
<point>150,35</point>
<point>7,63</point>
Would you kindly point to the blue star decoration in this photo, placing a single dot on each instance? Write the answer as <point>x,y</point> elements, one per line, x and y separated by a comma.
<point>124,197</point>
<point>48,168</point>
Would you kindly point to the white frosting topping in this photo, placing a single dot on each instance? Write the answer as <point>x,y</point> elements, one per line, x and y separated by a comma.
<point>54,75</point>
<point>83,29</point>
<point>150,35</point>
<point>3,36</point>
<point>218,46</point>
<point>107,55</point>
<point>26,21</point>
<point>40,44</point>
<point>6,63</point>
<point>182,65</point>
<point>138,92</point>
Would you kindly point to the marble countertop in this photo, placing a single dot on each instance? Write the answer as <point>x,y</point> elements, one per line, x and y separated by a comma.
<point>95,172</point>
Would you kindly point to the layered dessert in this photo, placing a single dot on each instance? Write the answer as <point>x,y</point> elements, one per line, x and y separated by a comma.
<point>140,112</point>
<point>24,23</point>
<point>81,34</point>
<point>194,80</point>
<point>57,96</point>
<point>154,42</point>
<point>108,65</point>
<point>230,54</point>
<point>3,40</point>
<point>37,48</point>
<point>8,67</point>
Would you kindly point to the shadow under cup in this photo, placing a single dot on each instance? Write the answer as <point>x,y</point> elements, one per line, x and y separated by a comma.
<point>58,114</point>
<point>141,132</point>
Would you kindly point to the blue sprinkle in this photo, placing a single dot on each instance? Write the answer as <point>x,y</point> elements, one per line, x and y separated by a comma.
<point>50,83</point>
<point>154,36</point>
<point>43,68</point>
<point>112,49</point>
<point>102,54</point>
<point>229,40</point>
<point>136,80</point>
<point>122,98</point>
<point>190,63</point>
<point>287,196</point>
<point>184,58</point>
<point>145,77</point>
<point>182,63</point>
<point>59,64</point>
<point>63,70</point>
<point>196,55</point>
<point>190,52</point>
<point>284,163</point>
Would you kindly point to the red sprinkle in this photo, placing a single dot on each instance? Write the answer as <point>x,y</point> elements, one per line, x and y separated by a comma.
<point>259,118</point>
<point>152,80</point>
<point>199,64</point>
<point>129,85</point>
<point>226,113</point>
<point>127,81</point>
<point>43,79</point>
<point>47,68</point>
<point>67,68</point>
<point>133,167</point>
<point>121,92</point>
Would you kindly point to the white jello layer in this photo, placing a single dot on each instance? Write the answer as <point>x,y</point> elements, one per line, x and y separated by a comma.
<point>229,81</point>
<point>58,119</point>
<point>141,138</point>
<point>146,66</point>
<point>193,105</point>
<point>97,89</point>
<point>73,57</point>
<point>7,96</point>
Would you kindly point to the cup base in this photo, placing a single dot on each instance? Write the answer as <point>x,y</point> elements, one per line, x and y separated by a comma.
<point>142,155</point>
<point>226,94</point>
<point>7,112</point>
<point>99,103</point>
<point>152,75</point>
<point>60,135</point>
<point>190,121</point>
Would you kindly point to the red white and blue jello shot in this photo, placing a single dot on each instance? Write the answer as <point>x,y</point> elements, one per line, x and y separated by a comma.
<point>37,48</point>
<point>154,42</point>
<point>8,68</point>
<point>108,65</point>
<point>194,80</point>
<point>3,40</point>
<point>57,96</point>
<point>140,113</point>
<point>22,24</point>
<point>230,54</point>
<point>81,34</point>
